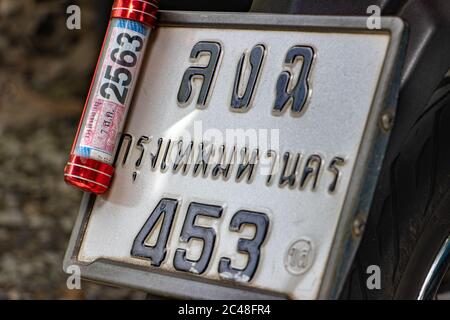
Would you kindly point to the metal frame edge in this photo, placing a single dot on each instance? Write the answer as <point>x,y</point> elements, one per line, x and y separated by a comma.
<point>370,159</point>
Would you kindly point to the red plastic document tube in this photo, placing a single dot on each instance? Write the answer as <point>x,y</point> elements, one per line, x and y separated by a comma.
<point>90,166</point>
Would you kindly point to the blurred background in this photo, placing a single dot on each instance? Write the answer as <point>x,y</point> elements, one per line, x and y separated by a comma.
<point>45,72</point>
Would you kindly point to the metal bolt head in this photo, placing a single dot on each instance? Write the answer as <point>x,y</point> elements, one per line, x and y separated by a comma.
<point>387,121</point>
<point>358,227</point>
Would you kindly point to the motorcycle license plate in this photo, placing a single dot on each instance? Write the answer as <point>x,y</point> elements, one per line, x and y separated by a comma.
<point>249,157</point>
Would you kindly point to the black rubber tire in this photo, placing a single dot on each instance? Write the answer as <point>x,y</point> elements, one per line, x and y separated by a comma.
<point>410,214</point>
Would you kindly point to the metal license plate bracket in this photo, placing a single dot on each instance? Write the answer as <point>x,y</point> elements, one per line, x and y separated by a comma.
<point>360,190</point>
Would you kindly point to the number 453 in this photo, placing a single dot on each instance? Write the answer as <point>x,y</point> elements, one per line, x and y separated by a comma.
<point>167,208</point>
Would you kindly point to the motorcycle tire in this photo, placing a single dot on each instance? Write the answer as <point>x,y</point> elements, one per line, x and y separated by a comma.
<point>410,215</point>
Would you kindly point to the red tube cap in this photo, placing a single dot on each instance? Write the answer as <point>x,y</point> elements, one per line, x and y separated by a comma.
<point>143,11</point>
<point>88,174</point>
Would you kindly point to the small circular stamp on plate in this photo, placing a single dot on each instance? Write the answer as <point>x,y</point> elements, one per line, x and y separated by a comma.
<point>299,256</point>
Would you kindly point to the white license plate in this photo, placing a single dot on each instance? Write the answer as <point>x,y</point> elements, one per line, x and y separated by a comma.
<point>248,160</point>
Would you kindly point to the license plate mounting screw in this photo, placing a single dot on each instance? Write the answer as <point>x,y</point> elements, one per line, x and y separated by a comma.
<point>358,227</point>
<point>387,121</point>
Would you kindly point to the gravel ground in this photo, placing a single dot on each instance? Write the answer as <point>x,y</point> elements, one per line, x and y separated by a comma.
<point>44,75</point>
